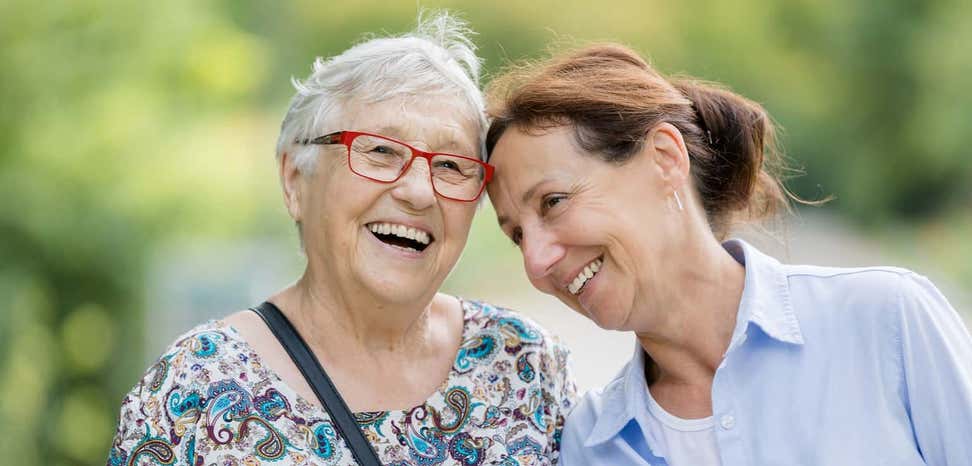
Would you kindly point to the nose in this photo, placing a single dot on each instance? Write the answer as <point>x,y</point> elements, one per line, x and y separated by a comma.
<point>541,252</point>
<point>415,185</point>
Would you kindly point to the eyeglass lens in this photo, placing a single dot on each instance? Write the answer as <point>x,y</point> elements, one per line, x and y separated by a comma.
<point>383,160</point>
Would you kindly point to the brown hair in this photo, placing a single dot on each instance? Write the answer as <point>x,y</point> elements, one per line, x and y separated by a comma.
<point>612,97</point>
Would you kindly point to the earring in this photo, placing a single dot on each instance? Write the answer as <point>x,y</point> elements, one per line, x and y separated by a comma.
<point>678,201</point>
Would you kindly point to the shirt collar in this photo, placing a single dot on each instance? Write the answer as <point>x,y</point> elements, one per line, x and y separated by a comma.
<point>765,303</point>
<point>623,400</point>
<point>766,297</point>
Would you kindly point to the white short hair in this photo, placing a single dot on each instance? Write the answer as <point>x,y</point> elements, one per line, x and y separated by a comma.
<point>437,58</point>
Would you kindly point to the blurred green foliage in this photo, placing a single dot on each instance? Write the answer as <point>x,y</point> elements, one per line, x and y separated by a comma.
<point>126,124</point>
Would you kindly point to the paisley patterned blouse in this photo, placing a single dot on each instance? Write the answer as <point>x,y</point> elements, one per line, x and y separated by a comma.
<point>209,400</point>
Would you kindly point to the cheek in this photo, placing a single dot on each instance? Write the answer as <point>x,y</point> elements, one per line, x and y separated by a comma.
<point>460,216</point>
<point>458,221</point>
<point>318,190</point>
<point>337,206</point>
<point>620,219</point>
<point>544,286</point>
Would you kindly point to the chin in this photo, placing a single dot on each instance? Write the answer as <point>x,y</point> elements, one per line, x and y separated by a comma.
<point>399,295</point>
<point>605,315</point>
<point>398,286</point>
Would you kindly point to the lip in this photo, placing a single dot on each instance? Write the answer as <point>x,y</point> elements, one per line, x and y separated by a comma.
<point>565,282</point>
<point>402,252</point>
<point>584,298</point>
<point>408,223</point>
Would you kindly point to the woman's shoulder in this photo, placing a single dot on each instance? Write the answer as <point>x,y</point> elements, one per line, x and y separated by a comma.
<point>204,344</point>
<point>857,289</point>
<point>882,288</point>
<point>502,334</point>
<point>205,353</point>
<point>511,327</point>
<point>876,275</point>
<point>172,393</point>
<point>486,314</point>
<point>527,367</point>
<point>857,301</point>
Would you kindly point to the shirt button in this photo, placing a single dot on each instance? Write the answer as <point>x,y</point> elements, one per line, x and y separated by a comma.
<point>728,422</point>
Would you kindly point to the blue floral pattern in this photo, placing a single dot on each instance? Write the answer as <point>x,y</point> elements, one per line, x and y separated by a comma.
<point>210,400</point>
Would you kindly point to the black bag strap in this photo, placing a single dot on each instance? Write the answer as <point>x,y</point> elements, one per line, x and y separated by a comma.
<point>317,377</point>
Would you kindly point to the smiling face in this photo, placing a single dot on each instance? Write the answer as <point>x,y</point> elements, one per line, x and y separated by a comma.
<point>394,241</point>
<point>592,233</point>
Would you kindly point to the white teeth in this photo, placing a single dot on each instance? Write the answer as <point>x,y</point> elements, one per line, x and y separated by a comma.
<point>400,231</point>
<point>581,279</point>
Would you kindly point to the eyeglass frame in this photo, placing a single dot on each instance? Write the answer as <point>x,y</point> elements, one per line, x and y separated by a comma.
<point>345,137</point>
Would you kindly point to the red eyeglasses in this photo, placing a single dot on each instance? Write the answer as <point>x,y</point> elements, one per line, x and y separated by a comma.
<point>385,160</point>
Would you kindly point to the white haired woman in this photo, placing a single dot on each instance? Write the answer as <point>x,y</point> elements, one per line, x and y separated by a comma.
<point>381,165</point>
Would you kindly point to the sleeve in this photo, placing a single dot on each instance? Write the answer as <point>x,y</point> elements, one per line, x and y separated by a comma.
<point>565,396</point>
<point>146,432</point>
<point>936,355</point>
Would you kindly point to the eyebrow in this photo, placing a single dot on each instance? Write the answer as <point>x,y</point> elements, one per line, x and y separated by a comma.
<point>503,220</point>
<point>457,148</point>
<point>448,143</point>
<point>393,131</point>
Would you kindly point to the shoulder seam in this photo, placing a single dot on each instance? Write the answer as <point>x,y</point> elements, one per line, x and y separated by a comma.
<point>856,271</point>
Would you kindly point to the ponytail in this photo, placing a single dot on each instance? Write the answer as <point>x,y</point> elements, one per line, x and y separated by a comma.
<point>734,154</point>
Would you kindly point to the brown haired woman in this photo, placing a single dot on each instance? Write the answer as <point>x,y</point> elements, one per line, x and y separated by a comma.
<point>619,186</point>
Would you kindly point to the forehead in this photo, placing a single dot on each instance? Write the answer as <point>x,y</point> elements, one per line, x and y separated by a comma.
<point>524,156</point>
<point>437,122</point>
<point>527,161</point>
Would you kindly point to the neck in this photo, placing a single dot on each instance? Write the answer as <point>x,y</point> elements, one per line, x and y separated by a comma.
<point>335,321</point>
<point>691,323</point>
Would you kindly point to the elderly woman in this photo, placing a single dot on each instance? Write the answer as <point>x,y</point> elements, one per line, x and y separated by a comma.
<point>618,185</point>
<point>380,162</point>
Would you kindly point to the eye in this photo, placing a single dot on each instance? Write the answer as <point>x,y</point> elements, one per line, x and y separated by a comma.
<point>550,201</point>
<point>448,165</point>
<point>516,236</point>
<point>383,150</point>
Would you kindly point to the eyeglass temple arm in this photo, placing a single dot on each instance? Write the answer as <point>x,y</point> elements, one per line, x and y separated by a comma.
<point>333,138</point>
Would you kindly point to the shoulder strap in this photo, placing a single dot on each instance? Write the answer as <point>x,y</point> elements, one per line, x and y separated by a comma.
<point>319,382</point>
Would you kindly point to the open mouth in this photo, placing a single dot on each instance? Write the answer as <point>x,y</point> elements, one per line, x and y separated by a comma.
<point>585,275</point>
<point>401,236</point>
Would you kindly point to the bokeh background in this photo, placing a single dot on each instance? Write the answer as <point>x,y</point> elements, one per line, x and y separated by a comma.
<point>138,193</point>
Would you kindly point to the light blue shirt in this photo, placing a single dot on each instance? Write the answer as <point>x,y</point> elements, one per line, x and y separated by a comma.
<point>826,366</point>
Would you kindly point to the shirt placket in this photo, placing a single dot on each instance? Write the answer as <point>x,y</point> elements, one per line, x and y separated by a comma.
<point>725,413</point>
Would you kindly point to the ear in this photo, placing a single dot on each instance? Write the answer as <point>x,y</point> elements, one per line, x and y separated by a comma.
<point>670,154</point>
<point>291,181</point>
